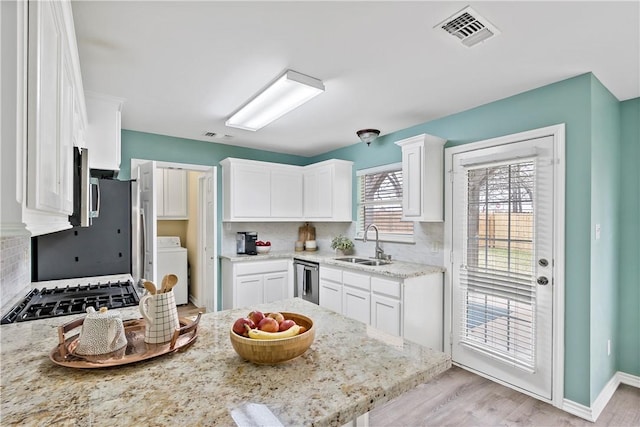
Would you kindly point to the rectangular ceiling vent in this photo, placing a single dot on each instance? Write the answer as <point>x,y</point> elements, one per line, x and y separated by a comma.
<point>468,27</point>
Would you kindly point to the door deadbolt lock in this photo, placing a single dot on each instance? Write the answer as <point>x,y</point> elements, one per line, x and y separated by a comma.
<point>542,280</point>
<point>542,262</point>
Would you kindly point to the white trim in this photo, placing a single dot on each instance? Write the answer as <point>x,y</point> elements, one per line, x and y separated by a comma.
<point>628,379</point>
<point>577,409</point>
<point>381,168</point>
<point>593,412</point>
<point>558,134</point>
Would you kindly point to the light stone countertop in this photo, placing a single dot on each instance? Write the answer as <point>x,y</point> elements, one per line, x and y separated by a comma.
<point>398,269</point>
<point>349,369</point>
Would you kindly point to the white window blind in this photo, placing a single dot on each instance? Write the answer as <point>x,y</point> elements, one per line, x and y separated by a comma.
<point>380,203</point>
<point>497,275</point>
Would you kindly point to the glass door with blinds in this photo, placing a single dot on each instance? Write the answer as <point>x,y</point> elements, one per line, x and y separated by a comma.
<point>503,263</point>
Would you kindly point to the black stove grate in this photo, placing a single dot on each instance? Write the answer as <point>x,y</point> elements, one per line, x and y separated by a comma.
<point>54,302</point>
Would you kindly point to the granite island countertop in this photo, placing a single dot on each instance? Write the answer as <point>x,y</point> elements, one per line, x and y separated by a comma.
<point>349,369</point>
<point>397,269</point>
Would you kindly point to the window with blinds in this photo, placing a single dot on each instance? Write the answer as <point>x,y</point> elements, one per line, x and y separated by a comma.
<point>380,203</point>
<point>497,276</point>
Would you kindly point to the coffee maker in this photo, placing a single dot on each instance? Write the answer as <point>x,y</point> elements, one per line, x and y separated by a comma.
<point>246,242</point>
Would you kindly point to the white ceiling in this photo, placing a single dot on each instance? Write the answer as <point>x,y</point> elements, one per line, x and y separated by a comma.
<point>184,67</point>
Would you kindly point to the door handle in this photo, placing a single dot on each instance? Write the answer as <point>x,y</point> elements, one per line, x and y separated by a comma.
<point>542,280</point>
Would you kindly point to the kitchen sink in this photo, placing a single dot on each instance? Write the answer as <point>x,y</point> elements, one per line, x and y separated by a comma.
<point>352,259</point>
<point>375,262</point>
<point>363,261</point>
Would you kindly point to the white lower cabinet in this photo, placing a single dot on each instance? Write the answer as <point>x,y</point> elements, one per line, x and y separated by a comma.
<point>248,283</point>
<point>275,286</point>
<point>356,304</point>
<point>386,314</point>
<point>249,290</point>
<point>330,295</point>
<point>411,308</point>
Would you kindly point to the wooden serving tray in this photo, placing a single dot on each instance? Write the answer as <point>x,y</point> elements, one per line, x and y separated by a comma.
<point>136,349</point>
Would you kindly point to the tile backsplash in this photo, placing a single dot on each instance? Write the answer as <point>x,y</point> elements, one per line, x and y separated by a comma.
<point>15,267</point>
<point>427,249</point>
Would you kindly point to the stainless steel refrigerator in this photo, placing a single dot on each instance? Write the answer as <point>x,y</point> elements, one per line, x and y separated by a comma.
<point>102,249</point>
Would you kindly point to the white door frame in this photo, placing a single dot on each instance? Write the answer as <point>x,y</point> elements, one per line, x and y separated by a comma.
<point>189,167</point>
<point>558,133</point>
<point>209,296</point>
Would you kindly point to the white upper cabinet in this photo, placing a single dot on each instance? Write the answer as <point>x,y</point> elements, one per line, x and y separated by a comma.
<point>422,170</point>
<point>277,192</point>
<point>103,132</point>
<point>172,194</point>
<point>40,76</point>
<point>261,190</point>
<point>286,192</point>
<point>254,190</point>
<point>328,191</point>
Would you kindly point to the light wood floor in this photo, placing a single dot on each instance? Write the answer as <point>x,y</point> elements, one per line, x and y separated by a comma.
<point>189,309</point>
<point>460,398</point>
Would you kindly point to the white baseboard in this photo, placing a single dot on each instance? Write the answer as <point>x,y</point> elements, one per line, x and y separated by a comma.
<point>629,379</point>
<point>194,301</point>
<point>592,413</point>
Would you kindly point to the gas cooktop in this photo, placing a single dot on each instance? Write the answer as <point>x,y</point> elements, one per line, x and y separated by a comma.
<point>63,301</point>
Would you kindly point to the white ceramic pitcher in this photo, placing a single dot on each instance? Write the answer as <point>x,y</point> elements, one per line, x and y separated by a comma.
<point>161,315</point>
<point>102,332</point>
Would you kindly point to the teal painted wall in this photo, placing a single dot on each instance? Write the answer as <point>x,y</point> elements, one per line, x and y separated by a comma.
<point>628,338</point>
<point>566,102</point>
<point>605,201</point>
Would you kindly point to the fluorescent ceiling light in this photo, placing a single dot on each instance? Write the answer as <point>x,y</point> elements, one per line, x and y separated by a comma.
<point>289,91</point>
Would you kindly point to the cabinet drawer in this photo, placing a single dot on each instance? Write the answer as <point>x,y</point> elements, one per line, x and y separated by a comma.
<point>259,267</point>
<point>332,274</point>
<point>387,287</point>
<point>356,280</point>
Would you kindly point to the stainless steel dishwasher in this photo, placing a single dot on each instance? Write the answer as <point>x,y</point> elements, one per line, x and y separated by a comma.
<point>307,283</point>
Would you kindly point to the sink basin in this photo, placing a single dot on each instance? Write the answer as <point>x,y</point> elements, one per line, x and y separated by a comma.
<point>363,261</point>
<point>355,260</point>
<point>374,262</point>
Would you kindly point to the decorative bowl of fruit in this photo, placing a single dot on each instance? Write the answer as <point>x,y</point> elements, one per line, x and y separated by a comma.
<point>263,247</point>
<point>271,338</point>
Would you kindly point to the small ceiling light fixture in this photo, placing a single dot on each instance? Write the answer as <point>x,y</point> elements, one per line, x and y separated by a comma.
<point>286,93</point>
<point>368,135</point>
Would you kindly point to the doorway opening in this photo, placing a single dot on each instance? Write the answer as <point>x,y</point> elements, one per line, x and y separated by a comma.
<point>176,199</point>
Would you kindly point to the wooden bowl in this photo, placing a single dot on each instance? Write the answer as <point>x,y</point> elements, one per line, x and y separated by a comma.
<point>271,352</point>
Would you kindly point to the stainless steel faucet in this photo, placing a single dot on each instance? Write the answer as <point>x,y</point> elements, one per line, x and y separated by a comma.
<point>379,252</point>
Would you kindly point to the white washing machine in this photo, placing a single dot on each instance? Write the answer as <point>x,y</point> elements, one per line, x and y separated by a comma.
<point>172,259</point>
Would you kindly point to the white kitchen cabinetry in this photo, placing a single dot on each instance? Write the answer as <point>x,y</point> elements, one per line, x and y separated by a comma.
<point>247,283</point>
<point>411,308</point>
<point>356,296</point>
<point>43,116</point>
<point>422,171</point>
<point>386,305</point>
<point>254,190</point>
<point>328,190</point>
<point>330,295</point>
<point>103,131</point>
<point>171,194</point>
<point>286,192</point>
<point>263,191</point>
